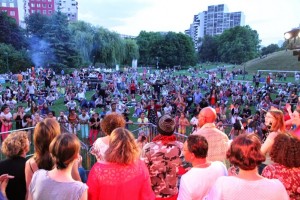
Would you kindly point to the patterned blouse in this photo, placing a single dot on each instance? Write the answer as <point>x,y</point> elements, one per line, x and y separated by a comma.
<point>290,177</point>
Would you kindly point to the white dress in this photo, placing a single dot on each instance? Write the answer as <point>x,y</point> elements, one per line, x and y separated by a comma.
<point>98,149</point>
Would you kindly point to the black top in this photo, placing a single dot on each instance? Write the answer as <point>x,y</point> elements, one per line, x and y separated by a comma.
<point>16,188</point>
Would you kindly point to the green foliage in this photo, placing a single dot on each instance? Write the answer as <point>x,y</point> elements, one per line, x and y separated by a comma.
<point>238,44</point>
<point>54,30</point>
<point>208,51</point>
<point>12,60</point>
<point>269,49</point>
<point>10,32</point>
<point>131,51</point>
<point>168,49</point>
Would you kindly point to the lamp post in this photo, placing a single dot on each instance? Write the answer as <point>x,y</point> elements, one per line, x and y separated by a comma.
<point>6,61</point>
<point>156,62</point>
<point>295,46</point>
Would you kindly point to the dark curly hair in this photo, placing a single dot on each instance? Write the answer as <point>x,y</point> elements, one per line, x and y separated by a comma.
<point>286,150</point>
<point>245,153</point>
<point>112,121</point>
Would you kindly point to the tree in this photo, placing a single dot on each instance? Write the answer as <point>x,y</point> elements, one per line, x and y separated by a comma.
<point>36,25</point>
<point>10,32</point>
<point>131,51</point>
<point>208,51</point>
<point>269,49</point>
<point>168,49</point>
<point>82,36</point>
<point>238,45</point>
<point>15,59</point>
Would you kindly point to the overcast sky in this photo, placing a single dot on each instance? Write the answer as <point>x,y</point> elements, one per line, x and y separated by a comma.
<point>270,18</point>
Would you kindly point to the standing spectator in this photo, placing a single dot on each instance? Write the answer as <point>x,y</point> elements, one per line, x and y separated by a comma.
<point>31,90</point>
<point>152,109</point>
<point>217,140</point>
<point>5,118</point>
<point>36,119</point>
<point>245,153</point>
<point>198,181</point>
<point>18,117</point>
<point>162,157</point>
<point>108,124</point>
<point>94,124</point>
<point>183,122</point>
<point>15,147</point>
<point>20,78</point>
<point>58,182</point>
<point>113,109</point>
<point>285,154</point>
<point>142,120</point>
<point>73,121</point>
<point>84,124</point>
<point>123,175</point>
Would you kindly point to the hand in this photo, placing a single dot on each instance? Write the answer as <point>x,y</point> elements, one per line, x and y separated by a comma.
<point>4,178</point>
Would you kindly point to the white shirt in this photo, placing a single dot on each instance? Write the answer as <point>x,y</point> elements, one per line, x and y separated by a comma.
<point>234,188</point>
<point>31,89</point>
<point>197,182</point>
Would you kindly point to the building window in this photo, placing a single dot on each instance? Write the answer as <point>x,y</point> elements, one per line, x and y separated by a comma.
<point>38,11</point>
<point>11,5</point>
<point>44,12</point>
<point>32,11</point>
<point>49,6</point>
<point>49,0</point>
<point>44,5</point>
<point>38,5</point>
<point>3,4</point>
<point>32,5</point>
<point>12,13</point>
<point>50,12</point>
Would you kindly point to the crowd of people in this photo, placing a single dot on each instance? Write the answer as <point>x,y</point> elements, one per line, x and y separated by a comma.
<point>259,152</point>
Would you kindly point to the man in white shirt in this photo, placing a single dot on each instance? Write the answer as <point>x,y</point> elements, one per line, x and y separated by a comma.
<point>71,104</point>
<point>197,182</point>
<point>31,90</point>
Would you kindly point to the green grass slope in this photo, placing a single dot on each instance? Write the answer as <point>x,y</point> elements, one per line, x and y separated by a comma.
<point>281,60</point>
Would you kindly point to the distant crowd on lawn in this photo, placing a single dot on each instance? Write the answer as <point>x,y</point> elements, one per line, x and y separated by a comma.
<point>257,159</point>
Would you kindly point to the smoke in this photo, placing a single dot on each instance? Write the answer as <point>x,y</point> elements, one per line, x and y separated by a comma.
<point>41,52</point>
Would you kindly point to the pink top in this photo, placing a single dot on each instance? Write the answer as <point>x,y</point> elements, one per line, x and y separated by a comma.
<point>110,181</point>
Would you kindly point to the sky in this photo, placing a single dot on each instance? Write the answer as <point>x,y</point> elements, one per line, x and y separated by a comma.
<point>270,18</point>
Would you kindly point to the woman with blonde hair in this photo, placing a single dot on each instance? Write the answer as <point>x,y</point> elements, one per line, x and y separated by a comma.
<point>108,124</point>
<point>58,182</point>
<point>122,175</point>
<point>15,147</point>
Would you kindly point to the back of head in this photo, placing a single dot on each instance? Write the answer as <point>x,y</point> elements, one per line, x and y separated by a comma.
<point>64,149</point>
<point>15,144</point>
<point>197,145</point>
<point>111,122</point>
<point>123,148</point>
<point>245,153</point>
<point>286,150</point>
<point>166,125</point>
<point>44,133</point>
<point>207,115</point>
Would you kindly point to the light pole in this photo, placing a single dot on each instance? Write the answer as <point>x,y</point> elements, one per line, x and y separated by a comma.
<point>6,61</point>
<point>156,62</point>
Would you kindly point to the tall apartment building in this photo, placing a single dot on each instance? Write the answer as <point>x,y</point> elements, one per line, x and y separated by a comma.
<point>11,8</point>
<point>48,7</point>
<point>44,7</point>
<point>69,7</point>
<point>214,21</point>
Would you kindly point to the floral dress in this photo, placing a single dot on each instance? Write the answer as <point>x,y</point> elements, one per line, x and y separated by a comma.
<point>290,178</point>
